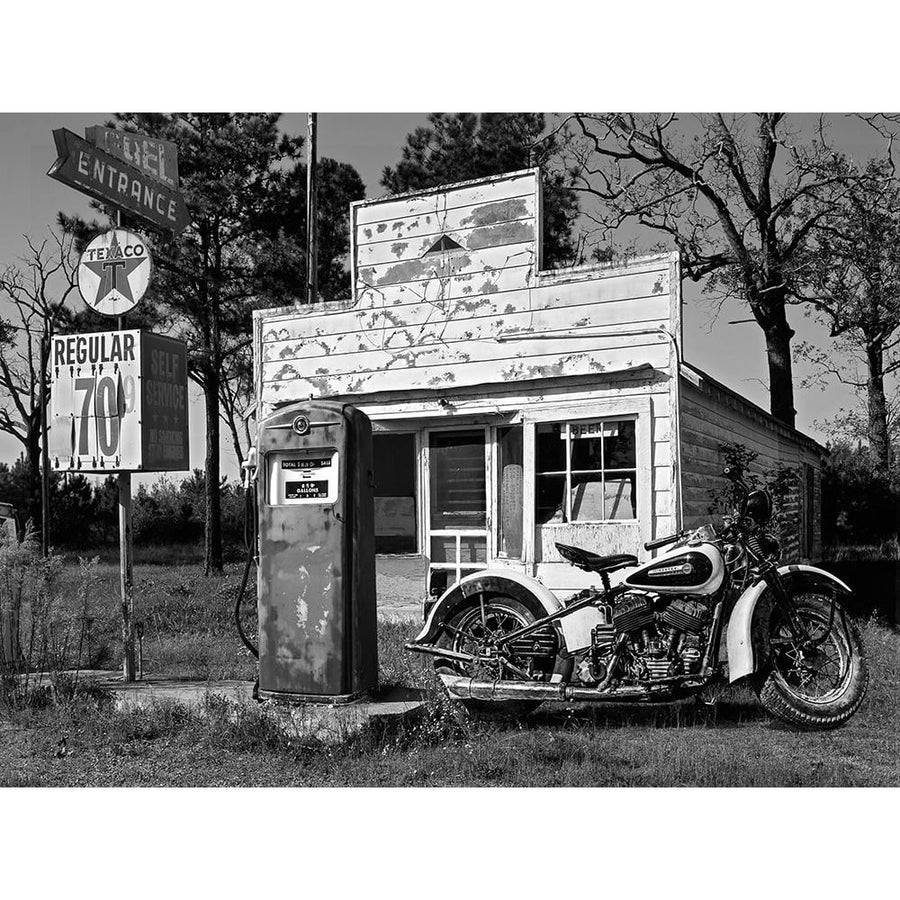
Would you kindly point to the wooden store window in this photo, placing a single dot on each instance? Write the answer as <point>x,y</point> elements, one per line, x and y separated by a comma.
<point>586,471</point>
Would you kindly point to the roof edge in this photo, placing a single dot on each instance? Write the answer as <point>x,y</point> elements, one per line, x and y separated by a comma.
<point>450,186</point>
<point>777,423</point>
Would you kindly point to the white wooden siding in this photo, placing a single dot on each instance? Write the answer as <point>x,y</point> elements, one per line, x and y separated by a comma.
<point>711,416</point>
<point>481,336</point>
<point>472,316</point>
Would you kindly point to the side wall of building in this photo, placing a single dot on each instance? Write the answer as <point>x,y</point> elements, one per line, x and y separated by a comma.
<point>711,416</point>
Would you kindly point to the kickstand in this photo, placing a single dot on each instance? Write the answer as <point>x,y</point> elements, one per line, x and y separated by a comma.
<point>710,696</point>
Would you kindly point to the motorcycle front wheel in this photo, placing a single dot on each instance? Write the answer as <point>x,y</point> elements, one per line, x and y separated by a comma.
<point>467,631</point>
<point>820,681</point>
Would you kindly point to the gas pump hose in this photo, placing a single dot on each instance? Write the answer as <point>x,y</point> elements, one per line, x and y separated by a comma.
<point>250,542</point>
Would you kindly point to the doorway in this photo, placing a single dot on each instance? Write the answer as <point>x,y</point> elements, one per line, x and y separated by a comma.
<point>456,516</point>
<point>394,464</point>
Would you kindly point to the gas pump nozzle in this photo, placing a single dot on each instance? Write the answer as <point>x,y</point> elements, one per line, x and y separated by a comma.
<point>248,479</point>
<point>248,467</point>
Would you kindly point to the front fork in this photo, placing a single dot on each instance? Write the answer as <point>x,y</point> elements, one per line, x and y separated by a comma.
<point>776,586</point>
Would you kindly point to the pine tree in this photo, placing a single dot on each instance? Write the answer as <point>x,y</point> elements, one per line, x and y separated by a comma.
<point>461,146</point>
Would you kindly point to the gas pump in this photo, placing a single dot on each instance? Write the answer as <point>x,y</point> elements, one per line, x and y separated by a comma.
<point>316,554</point>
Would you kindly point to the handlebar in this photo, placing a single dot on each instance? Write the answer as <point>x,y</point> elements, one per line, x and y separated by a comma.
<point>661,542</point>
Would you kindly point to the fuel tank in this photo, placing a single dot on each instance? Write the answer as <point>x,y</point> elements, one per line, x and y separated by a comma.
<point>683,570</point>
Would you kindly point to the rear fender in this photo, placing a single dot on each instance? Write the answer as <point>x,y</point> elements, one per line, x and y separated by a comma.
<point>747,650</point>
<point>514,584</point>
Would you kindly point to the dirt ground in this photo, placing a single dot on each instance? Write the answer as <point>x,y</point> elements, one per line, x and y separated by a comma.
<point>400,583</point>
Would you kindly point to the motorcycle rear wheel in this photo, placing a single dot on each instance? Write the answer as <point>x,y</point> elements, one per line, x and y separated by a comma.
<point>819,688</point>
<point>468,627</point>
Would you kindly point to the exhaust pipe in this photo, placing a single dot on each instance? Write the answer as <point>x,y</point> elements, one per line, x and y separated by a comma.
<point>472,689</point>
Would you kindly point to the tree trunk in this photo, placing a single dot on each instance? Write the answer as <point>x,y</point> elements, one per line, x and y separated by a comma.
<point>33,465</point>
<point>770,314</point>
<point>781,378</point>
<point>877,406</point>
<point>213,531</point>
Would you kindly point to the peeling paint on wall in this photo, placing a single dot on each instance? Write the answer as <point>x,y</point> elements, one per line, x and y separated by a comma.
<point>429,322</point>
<point>492,213</point>
<point>498,235</point>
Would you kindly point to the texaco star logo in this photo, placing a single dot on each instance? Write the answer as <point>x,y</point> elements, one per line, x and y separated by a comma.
<point>114,271</point>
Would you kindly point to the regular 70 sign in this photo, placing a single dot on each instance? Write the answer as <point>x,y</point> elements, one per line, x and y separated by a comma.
<point>118,402</point>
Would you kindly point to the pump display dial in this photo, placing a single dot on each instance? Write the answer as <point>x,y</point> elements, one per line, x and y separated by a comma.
<point>303,477</point>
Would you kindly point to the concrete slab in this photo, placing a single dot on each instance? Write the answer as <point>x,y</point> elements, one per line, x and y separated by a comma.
<point>307,721</point>
<point>333,724</point>
<point>193,694</point>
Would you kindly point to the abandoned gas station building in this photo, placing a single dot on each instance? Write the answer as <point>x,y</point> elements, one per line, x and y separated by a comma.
<point>514,407</point>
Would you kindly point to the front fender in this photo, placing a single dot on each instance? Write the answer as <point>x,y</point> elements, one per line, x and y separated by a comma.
<point>744,650</point>
<point>506,581</point>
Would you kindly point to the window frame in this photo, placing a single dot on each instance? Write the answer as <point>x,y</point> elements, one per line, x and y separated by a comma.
<point>569,472</point>
<point>654,462</point>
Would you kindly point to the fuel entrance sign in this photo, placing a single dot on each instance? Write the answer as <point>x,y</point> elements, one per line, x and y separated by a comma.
<point>118,402</point>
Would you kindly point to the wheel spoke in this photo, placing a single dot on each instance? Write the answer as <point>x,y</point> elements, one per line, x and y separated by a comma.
<point>814,671</point>
<point>481,629</point>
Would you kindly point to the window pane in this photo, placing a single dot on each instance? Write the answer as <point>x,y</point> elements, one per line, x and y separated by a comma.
<point>551,490</point>
<point>619,440</point>
<point>586,453</point>
<point>620,499</point>
<point>510,446</point>
<point>587,498</point>
<point>551,448</point>
<point>471,549</point>
<point>458,493</point>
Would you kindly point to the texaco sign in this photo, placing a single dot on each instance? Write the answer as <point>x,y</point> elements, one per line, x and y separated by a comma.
<point>114,271</point>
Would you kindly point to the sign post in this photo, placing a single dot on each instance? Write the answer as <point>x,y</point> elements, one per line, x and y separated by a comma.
<point>126,544</point>
<point>126,575</point>
<point>102,392</point>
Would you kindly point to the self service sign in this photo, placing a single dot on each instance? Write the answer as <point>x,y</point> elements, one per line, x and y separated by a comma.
<point>118,402</point>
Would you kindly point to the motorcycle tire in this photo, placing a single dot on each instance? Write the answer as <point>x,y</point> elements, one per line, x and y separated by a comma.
<point>495,709</point>
<point>784,699</point>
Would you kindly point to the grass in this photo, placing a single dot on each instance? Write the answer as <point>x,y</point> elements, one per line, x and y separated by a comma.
<point>68,738</point>
<point>886,550</point>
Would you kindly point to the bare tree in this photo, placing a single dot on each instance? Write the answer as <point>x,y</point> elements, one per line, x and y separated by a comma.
<point>236,394</point>
<point>738,195</point>
<point>34,291</point>
<point>852,279</point>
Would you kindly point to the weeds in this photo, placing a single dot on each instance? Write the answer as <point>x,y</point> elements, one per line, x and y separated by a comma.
<point>70,734</point>
<point>42,623</point>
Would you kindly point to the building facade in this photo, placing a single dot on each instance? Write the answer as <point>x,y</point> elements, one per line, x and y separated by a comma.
<point>515,407</point>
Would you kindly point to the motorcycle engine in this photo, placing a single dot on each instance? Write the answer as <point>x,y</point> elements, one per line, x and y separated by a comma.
<point>663,639</point>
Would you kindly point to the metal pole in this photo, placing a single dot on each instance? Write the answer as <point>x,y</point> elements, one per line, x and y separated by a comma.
<point>126,556</point>
<point>45,451</point>
<point>311,274</point>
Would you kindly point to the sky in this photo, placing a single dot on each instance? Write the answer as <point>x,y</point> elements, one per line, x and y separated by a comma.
<point>31,200</point>
<point>732,353</point>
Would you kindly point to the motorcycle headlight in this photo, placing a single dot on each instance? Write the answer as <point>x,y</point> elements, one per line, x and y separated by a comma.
<point>759,507</point>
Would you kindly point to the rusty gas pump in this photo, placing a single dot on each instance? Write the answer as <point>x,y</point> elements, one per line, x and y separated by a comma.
<point>316,554</point>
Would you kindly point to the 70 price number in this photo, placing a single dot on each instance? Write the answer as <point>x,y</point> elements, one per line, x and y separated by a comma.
<point>105,400</point>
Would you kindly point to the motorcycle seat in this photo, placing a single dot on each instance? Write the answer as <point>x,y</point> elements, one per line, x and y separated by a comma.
<point>593,562</point>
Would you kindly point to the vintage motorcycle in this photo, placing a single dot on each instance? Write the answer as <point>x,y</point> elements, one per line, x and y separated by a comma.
<point>503,642</point>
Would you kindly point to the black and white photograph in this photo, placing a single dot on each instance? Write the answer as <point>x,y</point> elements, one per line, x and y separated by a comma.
<point>385,447</point>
